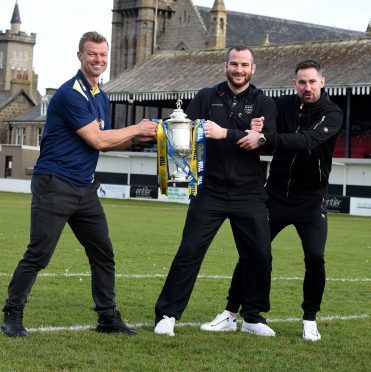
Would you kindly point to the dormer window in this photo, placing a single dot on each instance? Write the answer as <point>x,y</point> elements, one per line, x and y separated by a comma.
<point>44,106</point>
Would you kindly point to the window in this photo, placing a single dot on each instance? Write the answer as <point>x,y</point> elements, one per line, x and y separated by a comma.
<point>134,51</point>
<point>20,136</point>
<point>213,25</point>
<point>221,20</point>
<point>25,61</point>
<point>14,60</point>
<point>126,52</point>
<point>39,135</point>
<point>44,106</point>
<point>1,59</point>
<point>19,61</point>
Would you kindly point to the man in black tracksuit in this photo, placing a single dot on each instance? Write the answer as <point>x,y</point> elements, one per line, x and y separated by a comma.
<point>233,189</point>
<point>307,127</point>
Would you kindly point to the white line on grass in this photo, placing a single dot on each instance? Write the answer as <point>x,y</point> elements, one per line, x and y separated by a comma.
<point>153,276</point>
<point>195,325</point>
<point>158,206</point>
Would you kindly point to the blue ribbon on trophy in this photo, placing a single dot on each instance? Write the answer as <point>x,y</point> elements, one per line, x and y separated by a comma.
<point>179,138</point>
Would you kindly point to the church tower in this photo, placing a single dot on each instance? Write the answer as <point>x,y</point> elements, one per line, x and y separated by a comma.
<point>16,59</point>
<point>218,31</point>
<point>136,27</point>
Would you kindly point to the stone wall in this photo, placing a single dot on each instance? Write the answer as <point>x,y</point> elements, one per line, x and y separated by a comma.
<point>18,106</point>
<point>186,30</point>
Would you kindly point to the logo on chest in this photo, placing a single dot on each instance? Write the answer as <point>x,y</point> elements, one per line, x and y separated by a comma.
<point>248,109</point>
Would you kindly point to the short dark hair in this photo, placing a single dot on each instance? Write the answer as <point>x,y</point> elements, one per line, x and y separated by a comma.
<point>309,63</point>
<point>93,36</point>
<point>239,48</point>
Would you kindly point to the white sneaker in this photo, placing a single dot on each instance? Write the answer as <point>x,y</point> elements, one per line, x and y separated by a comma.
<point>223,322</point>
<point>310,330</point>
<point>165,326</point>
<point>259,329</point>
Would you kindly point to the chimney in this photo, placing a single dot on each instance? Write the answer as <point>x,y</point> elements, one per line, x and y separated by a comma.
<point>18,85</point>
<point>50,91</point>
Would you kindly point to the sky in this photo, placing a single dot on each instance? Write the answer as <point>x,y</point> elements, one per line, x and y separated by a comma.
<point>60,24</point>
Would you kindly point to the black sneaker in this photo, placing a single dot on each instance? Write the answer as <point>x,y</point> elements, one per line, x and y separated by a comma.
<point>13,324</point>
<point>111,322</point>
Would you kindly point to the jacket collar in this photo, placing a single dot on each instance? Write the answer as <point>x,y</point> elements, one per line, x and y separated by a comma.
<point>321,101</point>
<point>223,90</point>
<point>85,85</point>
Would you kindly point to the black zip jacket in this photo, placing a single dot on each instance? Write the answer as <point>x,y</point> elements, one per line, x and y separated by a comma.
<point>304,144</point>
<point>228,167</point>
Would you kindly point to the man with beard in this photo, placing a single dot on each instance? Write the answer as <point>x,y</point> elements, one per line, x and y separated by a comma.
<point>307,127</point>
<point>233,189</point>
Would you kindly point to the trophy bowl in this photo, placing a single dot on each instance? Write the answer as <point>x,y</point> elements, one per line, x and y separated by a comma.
<point>179,129</point>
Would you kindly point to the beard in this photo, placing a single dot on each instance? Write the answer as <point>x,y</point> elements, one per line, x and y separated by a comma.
<point>231,77</point>
<point>308,98</point>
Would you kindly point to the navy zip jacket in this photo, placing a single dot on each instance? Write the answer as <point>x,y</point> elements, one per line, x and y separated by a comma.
<point>228,167</point>
<point>304,144</point>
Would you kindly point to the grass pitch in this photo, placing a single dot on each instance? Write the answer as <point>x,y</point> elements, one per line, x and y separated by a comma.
<point>146,235</point>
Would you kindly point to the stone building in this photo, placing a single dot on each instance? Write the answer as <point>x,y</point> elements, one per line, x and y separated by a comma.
<point>11,106</point>
<point>18,82</point>
<point>188,49</point>
<point>16,58</point>
<point>162,50</point>
<point>141,28</point>
<point>19,101</point>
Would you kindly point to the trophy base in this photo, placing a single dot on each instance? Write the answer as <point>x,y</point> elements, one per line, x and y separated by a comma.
<point>179,177</point>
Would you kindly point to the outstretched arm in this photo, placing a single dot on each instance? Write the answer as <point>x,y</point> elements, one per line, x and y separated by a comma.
<point>117,139</point>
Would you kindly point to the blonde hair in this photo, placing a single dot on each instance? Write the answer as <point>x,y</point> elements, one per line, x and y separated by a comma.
<point>93,36</point>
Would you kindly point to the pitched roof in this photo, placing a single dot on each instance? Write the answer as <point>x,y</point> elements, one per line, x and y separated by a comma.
<point>167,75</point>
<point>32,115</point>
<point>250,29</point>
<point>5,98</point>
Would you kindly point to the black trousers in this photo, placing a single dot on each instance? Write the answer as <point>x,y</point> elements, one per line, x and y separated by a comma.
<point>310,220</point>
<point>55,202</point>
<point>248,218</point>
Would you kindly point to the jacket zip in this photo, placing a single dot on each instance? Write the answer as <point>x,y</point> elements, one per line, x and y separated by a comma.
<point>293,160</point>
<point>319,160</point>
<point>289,181</point>
<point>322,120</point>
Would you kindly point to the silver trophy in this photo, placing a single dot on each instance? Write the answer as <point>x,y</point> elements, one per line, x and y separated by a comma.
<point>179,129</point>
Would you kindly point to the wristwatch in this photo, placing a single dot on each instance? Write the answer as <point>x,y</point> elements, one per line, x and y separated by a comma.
<point>262,140</point>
